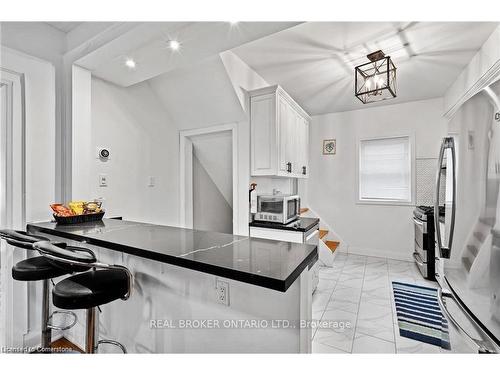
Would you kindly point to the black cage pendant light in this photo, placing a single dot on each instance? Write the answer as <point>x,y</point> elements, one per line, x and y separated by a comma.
<point>375,80</point>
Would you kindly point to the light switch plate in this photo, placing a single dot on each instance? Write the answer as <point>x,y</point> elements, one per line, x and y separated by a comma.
<point>151,181</point>
<point>103,180</point>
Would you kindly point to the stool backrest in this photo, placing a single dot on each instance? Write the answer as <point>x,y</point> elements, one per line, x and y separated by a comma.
<point>78,256</point>
<point>20,239</point>
<point>66,254</point>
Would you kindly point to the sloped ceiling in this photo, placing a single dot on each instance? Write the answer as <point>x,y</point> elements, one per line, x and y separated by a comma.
<point>314,61</point>
<point>198,96</point>
<point>147,45</point>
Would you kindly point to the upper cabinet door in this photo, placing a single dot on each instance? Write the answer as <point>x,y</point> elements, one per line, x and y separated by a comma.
<point>263,135</point>
<point>296,142</point>
<point>285,148</point>
<point>279,134</point>
<point>304,147</point>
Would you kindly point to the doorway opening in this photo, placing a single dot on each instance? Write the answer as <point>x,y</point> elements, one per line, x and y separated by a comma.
<point>208,179</point>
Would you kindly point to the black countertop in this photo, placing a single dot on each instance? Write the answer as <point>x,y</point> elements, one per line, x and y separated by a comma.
<point>302,224</point>
<point>270,264</point>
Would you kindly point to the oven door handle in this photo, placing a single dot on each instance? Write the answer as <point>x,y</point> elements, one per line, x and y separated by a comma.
<point>420,224</point>
<point>485,344</point>
<point>311,234</point>
<point>418,259</point>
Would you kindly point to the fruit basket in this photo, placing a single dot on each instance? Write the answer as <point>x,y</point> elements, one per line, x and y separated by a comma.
<point>77,212</point>
<point>78,219</point>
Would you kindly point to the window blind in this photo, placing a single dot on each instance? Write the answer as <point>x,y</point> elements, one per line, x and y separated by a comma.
<point>385,169</point>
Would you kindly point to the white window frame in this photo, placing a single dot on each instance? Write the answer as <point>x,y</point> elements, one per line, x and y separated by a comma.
<point>387,202</point>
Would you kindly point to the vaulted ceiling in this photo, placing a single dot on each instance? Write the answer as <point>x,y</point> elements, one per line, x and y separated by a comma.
<point>148,45</point>
<point>314,61</point>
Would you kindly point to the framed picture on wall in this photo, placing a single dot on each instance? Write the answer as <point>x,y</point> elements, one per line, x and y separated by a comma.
<point>329,147</point>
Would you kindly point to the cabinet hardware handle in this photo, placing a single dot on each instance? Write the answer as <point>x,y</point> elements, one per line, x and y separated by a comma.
<point>289,167</point>
<point>304,170</point>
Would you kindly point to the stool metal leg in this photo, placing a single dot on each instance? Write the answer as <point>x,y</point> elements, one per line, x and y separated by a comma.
<point>92,331</point>
<point>46,331</point>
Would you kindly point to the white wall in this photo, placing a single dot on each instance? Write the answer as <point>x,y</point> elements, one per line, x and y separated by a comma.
<point>215,153</point>
<point>143,141</point>
<point>211,211</point>
<point>198,96</point>
<point>40,130</point>
<point>331,188</point>
<point>82,147</point>
<point>212,182</point>
<point>40,40</point>
<point>40,171</point>
<point>243,78</point>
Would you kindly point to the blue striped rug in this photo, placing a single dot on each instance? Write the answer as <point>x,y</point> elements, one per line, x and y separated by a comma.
<point>419,315</point>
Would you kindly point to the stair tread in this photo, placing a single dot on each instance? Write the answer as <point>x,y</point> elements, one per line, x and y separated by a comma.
<point>322,233</point>
<point>64,343</point>
<point>467,263</point>
<point>473,249</point>
<point>487,220</point>
<point>304,210</point>
<point>332,245</point>
<point>480,236</point>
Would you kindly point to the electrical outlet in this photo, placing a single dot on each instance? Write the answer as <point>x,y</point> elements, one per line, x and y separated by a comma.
<point>222,290</point>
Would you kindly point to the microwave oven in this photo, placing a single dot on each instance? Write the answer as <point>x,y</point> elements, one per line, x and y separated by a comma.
<point>277,208</point>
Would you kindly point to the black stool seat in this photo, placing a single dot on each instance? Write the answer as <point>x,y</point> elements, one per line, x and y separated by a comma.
<point>36,268</point>
<point>90,289</point>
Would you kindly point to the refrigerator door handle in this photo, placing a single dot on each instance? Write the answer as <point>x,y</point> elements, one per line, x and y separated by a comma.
<point>485,345</point>
<point>445,251</point>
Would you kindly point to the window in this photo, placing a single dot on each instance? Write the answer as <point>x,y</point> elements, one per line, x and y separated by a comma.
<point>385,173</point>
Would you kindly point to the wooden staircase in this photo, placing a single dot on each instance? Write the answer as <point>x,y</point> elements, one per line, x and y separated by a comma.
<point>323,233</point>
<point>332,245</point>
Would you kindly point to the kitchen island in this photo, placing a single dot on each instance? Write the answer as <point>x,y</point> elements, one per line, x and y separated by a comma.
<point>177,305</point>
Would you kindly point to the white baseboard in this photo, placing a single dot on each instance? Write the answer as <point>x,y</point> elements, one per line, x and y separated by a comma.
<point>406,256</point>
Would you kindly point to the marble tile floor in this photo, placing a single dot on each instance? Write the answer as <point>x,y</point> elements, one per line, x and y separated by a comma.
<point>354,306</point>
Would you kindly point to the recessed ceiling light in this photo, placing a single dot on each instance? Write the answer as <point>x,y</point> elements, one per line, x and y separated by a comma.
<point>174,45</point>
<point>130,63</point>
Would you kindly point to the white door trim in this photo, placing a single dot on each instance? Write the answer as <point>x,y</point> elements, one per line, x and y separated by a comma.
<point>13,170</point>
<point>185,158</point>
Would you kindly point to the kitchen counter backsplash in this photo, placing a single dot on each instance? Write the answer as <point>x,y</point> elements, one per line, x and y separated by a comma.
<point>426,180</point>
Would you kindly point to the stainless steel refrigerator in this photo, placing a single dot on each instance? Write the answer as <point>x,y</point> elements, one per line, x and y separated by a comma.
<point>468,234</point>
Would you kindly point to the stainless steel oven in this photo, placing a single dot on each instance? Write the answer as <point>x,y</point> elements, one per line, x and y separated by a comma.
<point>277,208</point>
<point>423,251</point>
<point>420,227</point>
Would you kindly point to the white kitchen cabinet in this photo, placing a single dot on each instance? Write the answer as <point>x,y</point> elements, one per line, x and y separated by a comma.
<point>279,134</point>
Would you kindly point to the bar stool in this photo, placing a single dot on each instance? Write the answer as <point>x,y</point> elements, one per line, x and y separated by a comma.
<point>38,269</point>
<point>103,284</point>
